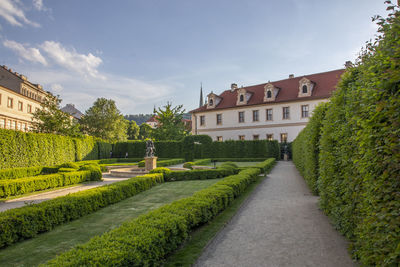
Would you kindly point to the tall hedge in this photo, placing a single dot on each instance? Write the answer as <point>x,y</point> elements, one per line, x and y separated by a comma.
<point>86,148</point>
<point>19,149</point>
<point>306,148</point>
<point>359,151</point>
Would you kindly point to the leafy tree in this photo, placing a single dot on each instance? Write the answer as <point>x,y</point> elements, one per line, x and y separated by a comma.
<point>104,120</point>
<point>50,119</point>
<point>145,131</point>
<point>170,124</point>
<point>133,130</point>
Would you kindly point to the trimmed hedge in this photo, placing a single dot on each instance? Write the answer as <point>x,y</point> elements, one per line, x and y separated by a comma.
<point>69,176</point>
<point>148,239</point>
<point>238,159</point>
<point>15,173</point>
<point>199,174</point>
<point>163,163</point>
<point>26,222</point>
<point>359,151</point>
<point>265,166</point>
<point>306,148</point>
<point>86,148</point>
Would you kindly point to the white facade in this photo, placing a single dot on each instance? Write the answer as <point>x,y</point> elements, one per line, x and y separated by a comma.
<point>231,129</point>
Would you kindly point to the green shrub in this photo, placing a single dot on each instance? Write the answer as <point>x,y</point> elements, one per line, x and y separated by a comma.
<point>66,170</point>
<point>26,222</point>
<point>188,165</point>
<point>162,170</point>
<point>265,166</point>
<point>86,148</point>
<point>71,165</point>
<point>41,182</point>
<point>194,146</point>
<point>200,162</point>
<point>15,173</point>
<point>146,240</point>
<point>200,174</point>
<point>238,159</point>
<point>228,164</point>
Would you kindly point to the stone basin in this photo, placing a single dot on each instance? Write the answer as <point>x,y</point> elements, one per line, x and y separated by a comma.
<point>128,172</point>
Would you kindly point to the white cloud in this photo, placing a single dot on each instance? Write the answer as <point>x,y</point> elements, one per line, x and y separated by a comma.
<point>13,14</point>
<point>56,88</point>
<point>28,53</point>
<point>84,64</point>
<point>38,5</point>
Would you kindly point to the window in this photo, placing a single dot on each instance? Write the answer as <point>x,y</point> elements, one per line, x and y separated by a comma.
<point>305,89</point>
<point>269,94</point>
<point>2,123</point>
<point>19,126</point>
<point>241,137</point>
<point>219,119</point>
<point>10,102</point>
<point>25,127</point>
<point>270,137</point>
<point>219,138</point>
<point>211,102</point>
<point>241,116</point>
<point>20,106</point>
<point>256,137</point>
<point>241,98</point>
<point>29,109</point>
<point>304,111</point>
<point>285,113</point>
<point>283,137</point>
<point>8,124</point>
<point>255,115</point>
<point>0,99</point>
<point>202,120</point>
<point>269,114</point>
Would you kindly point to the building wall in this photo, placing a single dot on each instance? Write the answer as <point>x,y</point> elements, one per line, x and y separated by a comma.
<point>230,128</point>
<point>13,117</point>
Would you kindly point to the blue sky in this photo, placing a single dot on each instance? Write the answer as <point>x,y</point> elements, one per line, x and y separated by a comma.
<point>145,53</point>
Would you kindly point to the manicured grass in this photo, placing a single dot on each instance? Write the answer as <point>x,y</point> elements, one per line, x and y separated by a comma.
<point>199,239</point>
<point>46,246</point>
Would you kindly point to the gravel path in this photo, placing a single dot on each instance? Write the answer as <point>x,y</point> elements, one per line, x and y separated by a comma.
<point>278,225</point>
<point>37,198</point>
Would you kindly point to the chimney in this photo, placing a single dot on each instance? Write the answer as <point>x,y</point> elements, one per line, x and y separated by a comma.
<point>348,64</point>
<point>291,76</point>
<point>233,87</point>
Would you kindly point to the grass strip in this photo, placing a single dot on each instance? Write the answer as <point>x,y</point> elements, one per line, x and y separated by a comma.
<point>46,246</point>
<point>199,239</point>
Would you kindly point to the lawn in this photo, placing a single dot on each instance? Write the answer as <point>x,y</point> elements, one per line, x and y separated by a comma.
<point>46,246</point>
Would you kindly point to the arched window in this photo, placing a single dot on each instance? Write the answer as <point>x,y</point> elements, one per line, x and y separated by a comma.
<point>211,102</point>
<point>305,89</point>
<point>269,94</point>
<point>241,98</point>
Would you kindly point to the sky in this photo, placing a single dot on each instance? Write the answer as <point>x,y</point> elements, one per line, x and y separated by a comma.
<point>145,53</point>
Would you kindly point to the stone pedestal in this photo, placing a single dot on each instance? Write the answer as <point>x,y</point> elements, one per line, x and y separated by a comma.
<point>150,163</point>
<point>285,157</point>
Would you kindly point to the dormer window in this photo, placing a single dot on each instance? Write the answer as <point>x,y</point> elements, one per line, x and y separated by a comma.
<point>305,87</point>
<point>241,98</point>
<point>213,100</point>
<point>270,92</point>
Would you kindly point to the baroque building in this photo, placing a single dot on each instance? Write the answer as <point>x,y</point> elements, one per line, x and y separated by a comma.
<point>19,98</point>
<point>275,110</point>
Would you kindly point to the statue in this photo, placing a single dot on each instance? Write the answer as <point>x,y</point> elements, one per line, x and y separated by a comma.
<point>150,149</point>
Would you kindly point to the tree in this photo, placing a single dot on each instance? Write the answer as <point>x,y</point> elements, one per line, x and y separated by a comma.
<point>133,130</point>
<point>105,121</point>
<point>50,119</point>
<point>145,131</point>
<point>170,124</point>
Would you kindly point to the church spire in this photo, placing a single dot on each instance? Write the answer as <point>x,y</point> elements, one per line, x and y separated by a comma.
<point>201,95</point>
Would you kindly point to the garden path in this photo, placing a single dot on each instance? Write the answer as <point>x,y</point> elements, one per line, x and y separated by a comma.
<point>280,224</point>
<point>40,197</point>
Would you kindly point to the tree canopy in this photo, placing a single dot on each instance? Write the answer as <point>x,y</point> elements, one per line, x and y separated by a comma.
<point>105,121</point>
<point>50,119</point>
<point>133,130</point>
<point>170,124</point>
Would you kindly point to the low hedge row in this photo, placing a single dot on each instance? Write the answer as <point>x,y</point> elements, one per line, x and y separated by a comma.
<point>238,159</point>
<point>146,240</point>
<point>163,163</point>
<point>265,166</point>
<point>69,176</point>
<point>26,222</point>
<point>16,173</point>
<point>199,174</point>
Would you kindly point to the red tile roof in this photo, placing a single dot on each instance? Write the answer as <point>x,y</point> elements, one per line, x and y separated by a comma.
<point>324,84</point>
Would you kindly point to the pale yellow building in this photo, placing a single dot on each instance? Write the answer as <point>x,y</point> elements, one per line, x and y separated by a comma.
<point>19,98</point>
